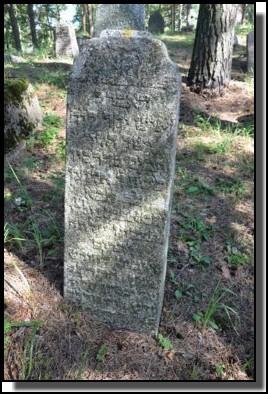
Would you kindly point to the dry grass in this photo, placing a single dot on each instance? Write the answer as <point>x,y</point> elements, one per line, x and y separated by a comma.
<point>69,344</point>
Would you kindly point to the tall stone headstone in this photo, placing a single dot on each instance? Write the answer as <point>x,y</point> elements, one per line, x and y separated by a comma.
<point>65,41</point>
<point>250,50</point>
<point>156,23</point>
<point>122,120</point>
<point>119,17</point>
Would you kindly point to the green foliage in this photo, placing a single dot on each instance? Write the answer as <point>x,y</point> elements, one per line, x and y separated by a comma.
<point>82,365</point>
<point>206,318</point>
<point>228,185</point>
<point>220,370</point>
<point>13,234</point>
<point>216,126</point>
<point>52,120</point>
<point>164,342</point>
<point>194,375</point>
<point>101,354</point>
<point>199,187</point>
<point>28,353</point>
<point>235,256</point>
<point>61,150</point>
<point>51,123</point>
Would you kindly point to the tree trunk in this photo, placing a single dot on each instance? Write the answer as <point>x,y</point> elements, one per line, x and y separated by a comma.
<point>243,13</point>
<point>188,10</point>
<point>32,25</point>
<point>179,18</point>
<point>90,18</point>
<point>173,17</point>
<point>84,18</point>
<point>213,46</point>
<point>14,25</point>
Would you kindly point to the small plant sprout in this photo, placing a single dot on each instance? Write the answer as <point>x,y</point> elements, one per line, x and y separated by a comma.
<point>164,342</point>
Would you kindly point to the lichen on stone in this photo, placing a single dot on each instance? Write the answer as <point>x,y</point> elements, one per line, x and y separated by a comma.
<point>127,33</point>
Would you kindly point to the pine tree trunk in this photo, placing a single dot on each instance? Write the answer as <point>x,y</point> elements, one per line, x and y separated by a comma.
<point>180,18</point>
<point>188,10</point>
<point>213,47</point>
<point>84,20</point>
<point>243,13</point>
<point>90,18</point>
<point>32,25</point>
<point>173,17</point>
<point>14,25</point>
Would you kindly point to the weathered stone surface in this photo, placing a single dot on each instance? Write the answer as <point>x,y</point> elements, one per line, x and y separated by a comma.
<point>82,41</point>
<point>21,111</point>
<point>156,23</point>
<point>250,49</point>
<point>122,120</point>
<point>119,17</point>
<point>14,59</point>
<point>65,41</point>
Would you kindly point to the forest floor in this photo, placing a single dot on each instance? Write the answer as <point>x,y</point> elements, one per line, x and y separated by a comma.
<point>207,323</point>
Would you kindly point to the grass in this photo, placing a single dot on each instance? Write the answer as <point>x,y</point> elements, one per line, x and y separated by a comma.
<point>177,40</point>
<point>102,353</point>
<point>209,124</point>
<point>235,256</point>
<point>28,353</point>
<point>207,317</point>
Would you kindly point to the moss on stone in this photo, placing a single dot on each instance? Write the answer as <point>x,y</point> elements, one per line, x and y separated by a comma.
<point>14,89</point>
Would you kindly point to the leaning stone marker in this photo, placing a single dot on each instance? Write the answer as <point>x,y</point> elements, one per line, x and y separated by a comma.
<point>122,120</point>
<point>119,17</point>
<point>250,47</point>
<point>66,43</point>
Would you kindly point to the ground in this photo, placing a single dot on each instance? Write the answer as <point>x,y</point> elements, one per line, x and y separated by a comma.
<point>207,323</point>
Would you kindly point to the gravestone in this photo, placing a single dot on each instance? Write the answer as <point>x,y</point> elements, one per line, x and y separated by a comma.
<point>122,120</point>
<point>250,48</point>
<point>22,112</point>
<point>65,41</point>
<point>119,17</point>
<point>82,41</point>
<point>156,23</point>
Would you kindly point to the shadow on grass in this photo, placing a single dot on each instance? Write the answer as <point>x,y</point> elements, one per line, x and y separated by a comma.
<point>41,72</point>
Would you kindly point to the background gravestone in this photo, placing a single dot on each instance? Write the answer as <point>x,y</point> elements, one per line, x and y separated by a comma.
<point>122,121</point>
<point>250,48</point>
<point>22,112</point>
<point>65,41</point>
<point>156,23</point>
<point>119,17</point>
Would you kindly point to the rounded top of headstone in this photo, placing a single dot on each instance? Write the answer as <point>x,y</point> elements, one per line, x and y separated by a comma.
<point>119,17</point>
<point>156,23</point>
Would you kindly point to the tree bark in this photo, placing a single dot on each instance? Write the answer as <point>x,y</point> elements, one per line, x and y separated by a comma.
<point>180,18</point>
<point>243,13</point>
<point>188,10</point>
<point>90,18</point>
<point>30,11</point>
<point>84,18</point>
<point>173,17</point>
<point>213,47</point>
<point>14,25</point>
